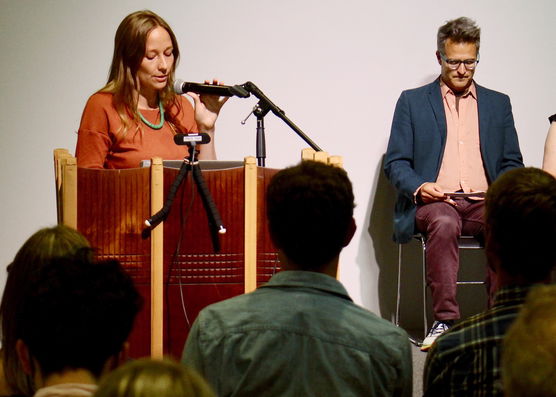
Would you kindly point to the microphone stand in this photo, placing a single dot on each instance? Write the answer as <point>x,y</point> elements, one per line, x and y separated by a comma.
<point>215,222</point>
<point>260,110</point>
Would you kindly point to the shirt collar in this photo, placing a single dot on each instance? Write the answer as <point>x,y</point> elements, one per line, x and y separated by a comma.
<point>307,279</point>
<point>512,294</point>
<point>445,90</point>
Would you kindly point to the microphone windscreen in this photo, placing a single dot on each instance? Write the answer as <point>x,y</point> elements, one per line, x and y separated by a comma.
<point>178,87</point>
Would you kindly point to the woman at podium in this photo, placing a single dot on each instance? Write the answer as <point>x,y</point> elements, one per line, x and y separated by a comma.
<point>136,114</point>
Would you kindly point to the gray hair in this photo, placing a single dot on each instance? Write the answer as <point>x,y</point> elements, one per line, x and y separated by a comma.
<point>460,30</point>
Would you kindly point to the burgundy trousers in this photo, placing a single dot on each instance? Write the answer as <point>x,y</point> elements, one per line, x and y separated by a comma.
<point>443,223</point>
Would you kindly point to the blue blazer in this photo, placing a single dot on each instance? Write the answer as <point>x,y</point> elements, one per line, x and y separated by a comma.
<point>418,137</point>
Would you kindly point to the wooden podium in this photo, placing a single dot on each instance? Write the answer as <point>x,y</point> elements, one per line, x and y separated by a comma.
<point>174,266</point>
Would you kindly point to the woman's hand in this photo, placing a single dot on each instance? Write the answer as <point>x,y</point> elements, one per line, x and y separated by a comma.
<point>207,108</point>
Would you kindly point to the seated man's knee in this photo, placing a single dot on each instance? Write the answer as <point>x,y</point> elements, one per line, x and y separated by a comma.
<point>445,225</point>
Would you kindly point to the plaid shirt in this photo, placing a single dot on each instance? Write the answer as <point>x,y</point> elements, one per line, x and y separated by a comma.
<point>465,361</point>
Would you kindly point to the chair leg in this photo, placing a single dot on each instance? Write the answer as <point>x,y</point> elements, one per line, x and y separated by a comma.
<point>424,276</point>
<point>398,296</point>
<point>414,341</point>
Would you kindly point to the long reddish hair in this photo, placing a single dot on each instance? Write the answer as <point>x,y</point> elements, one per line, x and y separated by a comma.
<point>129,50</point>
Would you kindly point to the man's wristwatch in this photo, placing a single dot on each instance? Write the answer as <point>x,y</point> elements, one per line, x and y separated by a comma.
<point>552,118</point>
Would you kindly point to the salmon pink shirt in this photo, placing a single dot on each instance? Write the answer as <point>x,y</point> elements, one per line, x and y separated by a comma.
<point>462,164</point>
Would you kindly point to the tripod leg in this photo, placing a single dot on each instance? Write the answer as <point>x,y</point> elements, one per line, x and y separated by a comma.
<point>215,222</point>
<point>165,210</point>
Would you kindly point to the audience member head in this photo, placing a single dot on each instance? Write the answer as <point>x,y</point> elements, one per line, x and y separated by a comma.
<point>529,350</point>
<point>76,316</point>
<point>310,214</point>
<point>41,247</point>
<point>148,378</point>
<point>460,30</point>
<point>520,225</point>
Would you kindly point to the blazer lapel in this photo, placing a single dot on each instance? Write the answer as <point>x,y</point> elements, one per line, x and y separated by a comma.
<point>435,99</point>
<point>483,108</point>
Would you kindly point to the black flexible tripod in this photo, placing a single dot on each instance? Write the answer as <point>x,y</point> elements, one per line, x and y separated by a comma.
<point>215,222</point>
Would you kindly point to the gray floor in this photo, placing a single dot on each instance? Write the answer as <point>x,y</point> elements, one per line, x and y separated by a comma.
<point>419,358</point>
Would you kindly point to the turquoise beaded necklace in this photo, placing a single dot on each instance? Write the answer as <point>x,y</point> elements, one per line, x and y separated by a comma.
<point>154,126</point>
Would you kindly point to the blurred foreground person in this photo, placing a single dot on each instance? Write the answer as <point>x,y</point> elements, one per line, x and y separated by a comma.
<point>520,214</point>
<point>154,378</point>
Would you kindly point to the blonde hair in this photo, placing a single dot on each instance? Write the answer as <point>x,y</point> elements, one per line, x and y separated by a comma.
<point>129,50</point>
<point>160,378</point>
<point>529,349</point>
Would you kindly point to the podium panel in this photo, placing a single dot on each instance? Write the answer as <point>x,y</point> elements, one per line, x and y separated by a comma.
<point>194,274</point>
<point>110,209</point>
<point>174,266</point>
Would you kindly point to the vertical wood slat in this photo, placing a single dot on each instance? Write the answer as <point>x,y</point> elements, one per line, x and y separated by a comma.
<point>69,191</point>
<point>307,154</point>
<point>250,224</point>
<point>59,154</point>
<point>157,264</point>
<point>321,156</point>
<point>336,161</point>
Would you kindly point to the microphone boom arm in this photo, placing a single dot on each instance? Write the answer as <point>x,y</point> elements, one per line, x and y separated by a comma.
<point>265,105</point>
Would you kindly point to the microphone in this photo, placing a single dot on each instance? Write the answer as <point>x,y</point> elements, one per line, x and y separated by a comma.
<point>196,138</point>
<point>181,87</point>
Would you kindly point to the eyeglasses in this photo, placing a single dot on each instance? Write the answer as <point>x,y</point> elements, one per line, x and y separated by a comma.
<point>453,64</point>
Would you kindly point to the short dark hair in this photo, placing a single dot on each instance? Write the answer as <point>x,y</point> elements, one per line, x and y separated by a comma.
<point>520,217</point>
<point>309,210</point>
<point>78,313</point>
<point>460,30</point>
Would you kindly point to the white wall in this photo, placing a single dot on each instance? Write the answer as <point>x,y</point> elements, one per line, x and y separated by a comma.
<point>335,67</point>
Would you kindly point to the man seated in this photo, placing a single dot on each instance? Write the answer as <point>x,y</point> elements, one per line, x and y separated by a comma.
<point>449,140</point>
<point>520,231</point>
<point>74,323</point>
<point>300,334</point>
